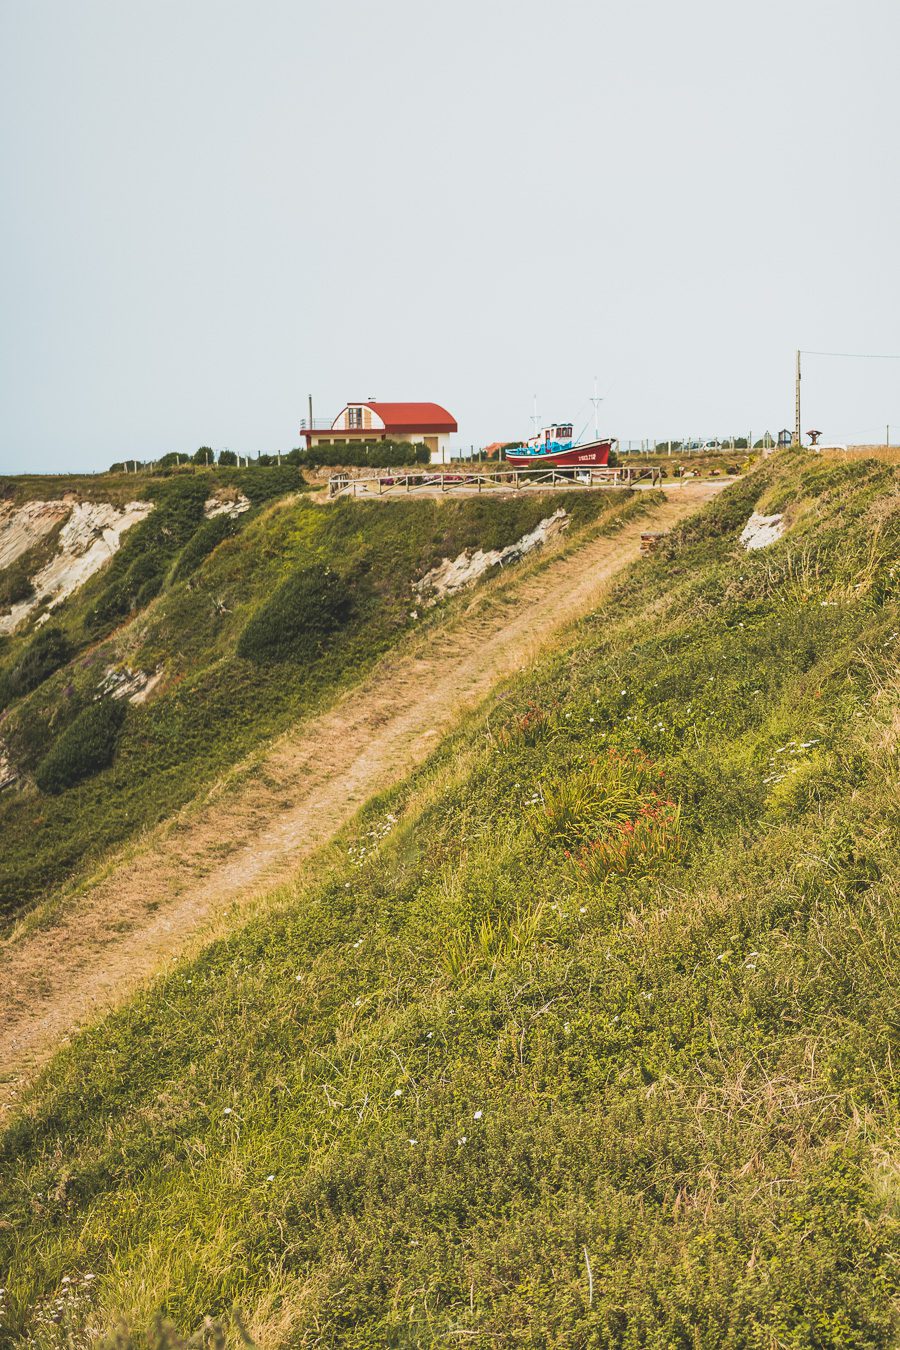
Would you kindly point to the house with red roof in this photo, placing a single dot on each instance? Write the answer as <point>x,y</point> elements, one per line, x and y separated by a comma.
<point>422,423</point>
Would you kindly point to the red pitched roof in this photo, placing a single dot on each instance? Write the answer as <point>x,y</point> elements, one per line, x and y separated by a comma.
<point>413,416</point>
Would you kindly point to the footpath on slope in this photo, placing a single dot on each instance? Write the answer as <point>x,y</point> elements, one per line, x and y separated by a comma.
<point>142,910</point>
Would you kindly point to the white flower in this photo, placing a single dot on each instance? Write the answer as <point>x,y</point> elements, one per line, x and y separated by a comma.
<point>413,1141</point>
<point>297,979</point>
<point>478,1115</point>
<point>582,909</point>
<point>270,1177</point>
<point>398,1092</point>
<point>227,1111</point>
<point>428,1035</point>
<point>463,1139</point>
<point>358,942</point>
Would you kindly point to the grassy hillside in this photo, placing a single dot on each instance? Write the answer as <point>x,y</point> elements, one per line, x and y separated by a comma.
<point>248,623</point>
<point>586,1036</point>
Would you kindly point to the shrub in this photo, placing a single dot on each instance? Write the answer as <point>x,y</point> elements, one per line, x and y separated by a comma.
<point>202,542</point>
<point>228,459</point>
<point>87,745</point>
<point>301,615</point>
<point>137,571</point>
<point>15,585</point>
<point>205,455</point>
<point>385,454</point>
<point>265,482</point>
<point>47,651</point>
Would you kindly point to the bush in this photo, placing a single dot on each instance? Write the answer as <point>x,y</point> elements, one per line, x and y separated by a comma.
<point>301,615</point>
<point>264,483</point>
<point>15,585</point>
<point>87,745</point>
<point>202,542</point>
<point>47,651</point>
<point>385,454</point>
<point>137,571</point>
<point>205,455</point>
<point>228,459</point>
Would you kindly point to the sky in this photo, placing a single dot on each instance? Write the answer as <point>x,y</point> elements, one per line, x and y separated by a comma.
<point>213,209</point>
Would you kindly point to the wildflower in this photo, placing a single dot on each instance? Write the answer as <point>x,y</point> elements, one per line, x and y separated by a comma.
<point>413,1141</point>
<point>227,1111</point>
<point>582,909</point>
<point>270,1177</point>
<point>428,1035</point>
<point>358,942</point>
<point>297,979</point>
<point>398,1092</point>
<point>463,1139</point>
<point>478,1115</point>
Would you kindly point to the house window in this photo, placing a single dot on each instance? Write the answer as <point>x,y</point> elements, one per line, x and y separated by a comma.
<point>354,418</point>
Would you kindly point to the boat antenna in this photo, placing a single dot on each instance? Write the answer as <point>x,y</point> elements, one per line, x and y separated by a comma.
<point>596,400</point>
<point>535,420</point>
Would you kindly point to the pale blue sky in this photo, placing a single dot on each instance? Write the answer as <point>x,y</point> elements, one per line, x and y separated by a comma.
<point>212,208</point>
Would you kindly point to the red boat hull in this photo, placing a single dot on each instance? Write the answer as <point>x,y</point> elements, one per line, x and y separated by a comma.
<point>595,454</point>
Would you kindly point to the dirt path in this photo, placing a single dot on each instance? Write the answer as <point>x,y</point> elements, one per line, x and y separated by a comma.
<point>247,839</point>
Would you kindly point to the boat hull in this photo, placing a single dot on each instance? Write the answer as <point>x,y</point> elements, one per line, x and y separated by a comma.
<point>593,454</point>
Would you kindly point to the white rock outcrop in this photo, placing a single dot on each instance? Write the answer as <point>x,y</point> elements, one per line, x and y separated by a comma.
<point>454,574</point>
<point>22,526</point>
<point>135,685</point>
<point>89,538</point>
<point>761,531</point>
<point>226,506</point>
<point>8,774</point>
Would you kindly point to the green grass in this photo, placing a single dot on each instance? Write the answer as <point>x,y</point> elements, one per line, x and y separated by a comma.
<point>218,702</point>
<point>455,1089</point>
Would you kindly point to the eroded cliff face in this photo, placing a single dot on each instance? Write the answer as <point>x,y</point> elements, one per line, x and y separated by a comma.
<point>90,535</point>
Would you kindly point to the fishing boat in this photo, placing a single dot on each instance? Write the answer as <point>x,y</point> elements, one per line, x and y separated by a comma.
<point>554,447</point>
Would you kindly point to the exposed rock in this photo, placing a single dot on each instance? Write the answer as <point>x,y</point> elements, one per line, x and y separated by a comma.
<point>8,774</point>
<point>135,685</point>
<point>91,535</point>
<point>762,530</point>
<point>21,527</point>
<point>454,574</point>
<point>222,505</point>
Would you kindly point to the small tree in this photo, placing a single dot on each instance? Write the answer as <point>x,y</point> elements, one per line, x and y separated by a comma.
<point>228,459</point>
<point>205,455</point>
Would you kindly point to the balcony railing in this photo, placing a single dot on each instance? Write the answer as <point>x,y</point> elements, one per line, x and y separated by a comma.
<point>317,424</point>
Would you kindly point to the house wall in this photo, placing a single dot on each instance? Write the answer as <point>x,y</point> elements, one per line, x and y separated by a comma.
<point>371,421</point>
<point>439,446</point>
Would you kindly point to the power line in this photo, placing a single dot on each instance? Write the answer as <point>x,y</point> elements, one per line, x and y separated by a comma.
<point>855,356</point>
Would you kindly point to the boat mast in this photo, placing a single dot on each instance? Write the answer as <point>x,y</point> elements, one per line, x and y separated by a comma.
<point>535,420</point>
<point>596,400</point>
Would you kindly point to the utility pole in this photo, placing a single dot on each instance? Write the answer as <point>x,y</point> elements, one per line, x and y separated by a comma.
<point>798,434</point>
<point>310,413</point>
